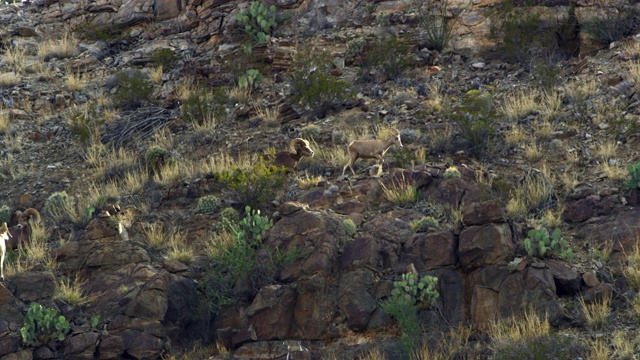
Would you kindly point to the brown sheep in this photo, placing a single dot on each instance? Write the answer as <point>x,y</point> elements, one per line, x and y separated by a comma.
<point>298,148</point>
<point>370,149</point>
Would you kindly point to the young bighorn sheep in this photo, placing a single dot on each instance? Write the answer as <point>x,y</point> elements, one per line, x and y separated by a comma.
<point>5,235</point>
<point>370,149</point>
<point>298,148</point>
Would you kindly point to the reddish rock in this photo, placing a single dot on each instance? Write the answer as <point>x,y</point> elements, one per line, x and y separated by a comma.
<point>485,212</point>
<point>485,245</point>
<point>432,250</point>
<point>402,177</point>
<point>81,346</point>
<point>533,287</point>
<point>110,348</point>
<point>449,192</point>
<point>314,309</point>
<point>598,293</point>
<point>590,279</point>
<point>580,210</point>
<point>349,207</point>
<point>484,307</point>
<point>369,253</point>
<point>34,286</point>
<point>271,312</point>
<point>567,281</point>
<point>354,299</point>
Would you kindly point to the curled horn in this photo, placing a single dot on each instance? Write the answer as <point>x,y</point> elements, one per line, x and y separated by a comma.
<point>293,145</point>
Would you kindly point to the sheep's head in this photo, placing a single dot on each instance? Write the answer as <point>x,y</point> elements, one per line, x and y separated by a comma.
<point>395,139</point>
<point>301,147</point>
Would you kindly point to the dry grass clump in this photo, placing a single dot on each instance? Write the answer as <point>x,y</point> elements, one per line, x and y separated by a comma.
<point>401,194</point>
<point>308,181</point>
<point>515,136</point>
<point>525,327</point>
<point>16,58</point>
<point>9,79</point>
<point>599,350</point>
<point>178,248</point>
<point>71,291</point>
<point>532,152</point>
<point>519,104</point>
<point>176,170</point>
<point>632,268</point>
<point>155,236</point>
<point>217,244</point>
<point>270,116</point>
<point>199,352</point>
<point>74,82</point>
<point>634,72</point>
<point>532,193</point>
<point>60,47</point>
<point>133,181</point>
<point>597,312</point>
<point>607,150</point>
<point>155,75</point>
<point>4,121</point>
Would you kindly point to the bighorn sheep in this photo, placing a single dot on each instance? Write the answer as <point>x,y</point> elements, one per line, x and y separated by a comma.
<point>21,232</point>
<point>5,235</point>
<point>298,148</point>
<point>370,149</point>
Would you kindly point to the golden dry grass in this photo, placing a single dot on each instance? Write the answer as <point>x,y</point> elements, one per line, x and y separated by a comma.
<point>155,75</point>
<point>515,136</point>
<point>4,121</point>
<point>519,104</point>
<point>155,236</point>
<point>597,312</point>
<point>163,138</point>
<point>528,194</point>
<point>598,350</point>
<point>176,170</point>
<point>436,96</point>
<point>269,115</point>
<point>74,82</point>
<point>634,72</point>
<point>177,247</point>
<point>632,267</point>
<point>543,130</point>
<point>550,105</point>
<point>614,172</point>
<point>307,181</point>
<point>16,58</point>
<point>606,150</point>
<point>217,243</point>
<point>521,328</point>
<point>532,152</point>
<point>71,291</point>
<point>9,79</point>
<point>62,47</point>
<point>13,141</point>
<point>402,194</point>
<point>240,95</point>
<point>133,182</point>
<point>623,345</point>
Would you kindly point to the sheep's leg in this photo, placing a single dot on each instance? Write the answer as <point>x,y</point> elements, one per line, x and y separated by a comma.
<point>4,250</point>
<point>350,165</point>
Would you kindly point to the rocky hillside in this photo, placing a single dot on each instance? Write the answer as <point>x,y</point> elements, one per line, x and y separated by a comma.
<point>140,131</point>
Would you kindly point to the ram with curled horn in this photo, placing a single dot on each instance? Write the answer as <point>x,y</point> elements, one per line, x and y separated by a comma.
<point>298,148</point>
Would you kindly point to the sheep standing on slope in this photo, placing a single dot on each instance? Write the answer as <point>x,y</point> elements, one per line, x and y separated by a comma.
<point>370,149</point>
<point>298,148</point>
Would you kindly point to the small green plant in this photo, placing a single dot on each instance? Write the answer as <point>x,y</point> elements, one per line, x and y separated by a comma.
<point>165,57</point>
<point>42,325</point>
<point>59,205</point>
<point>539,243</point>
<point>252,226</point>
<point>434,19</point>
<point>452,172</point>
<point>260,21</point>
<point>475,115</point>
<point>408,296</point>
<point>424,224</point>
<point>250,79</point>
<point>355,48</point>
<point>5,214</point>
<point>614,21</point>
<point>155,157</point>
<point>208,204</point>
<point>134,89</point>
<point>312,85</point>
<point>255,186</point>
<point>94,321</point>
<point>391,66</point>
<point>202,105</point>
<point>349,227</point>
<point>634,173</point>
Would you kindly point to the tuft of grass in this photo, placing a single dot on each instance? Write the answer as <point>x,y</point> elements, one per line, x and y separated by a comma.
<point>606,150</point>
<point>515,136</point>
<point>218,243</point>
<point>4,121</point>
<point>599,350</point>
<point>155,75</point>
<point>307,181</point>
<point>614,172</point>
<point>519,104</point>
<point>270,116</point>
<point>632,268</point>
<point>74,82</point>
<point>71,292</point>
<point>16,58</point>
<point>60,47</point>
<point>134,181</point>
<point>624,348</point>
<point>596,313</point>
<point>9,79</point>
<point>402,194</point>
<point>174,171</point>
<point>155,236</point>
<point>532,152</point>
<point>519,328</point>
<point>199,352</point>
<point>178,248</point>
<point>543,130</point>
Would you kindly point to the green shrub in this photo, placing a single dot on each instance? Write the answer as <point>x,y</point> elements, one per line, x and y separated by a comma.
<point>85,121</point>
<point>452,172</point>
<point>236,266</point>
<point>155,157</point>
<point>404,157</point>
<point>434,19</point>
<point>312,85</point>
<point>409,295</point>
<point>378,57</point>
<point>250,79</point>
<point>539,243</point>
<point>425,223</point>
<point>59,205</point>
<point>5,214</point>
<point>634,173</point>
<point>230,214</point>
<point>208,204</point>
<point>349,227</point>
<point>42,325</point>
<point>134,89</point>
<point>166,58</point>
<point>355,48</point>
<point>203,105</point>
<point>614,21</point>
<point>519,33</point>
<point>260,21</point>
<point>476,117</point>
<point>256,186</point>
